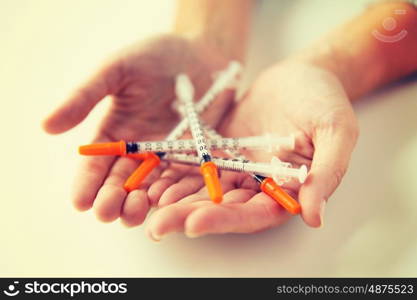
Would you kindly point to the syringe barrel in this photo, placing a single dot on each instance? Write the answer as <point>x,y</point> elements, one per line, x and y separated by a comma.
<point>266,142</point>
<point>211,133</point>
<point>236,165</point>
<point>284,171</point>
<point>182,158</point>
<point>277,142</point>
<point>185,91</point>
<point>224,79</point>
<point>187,145</point>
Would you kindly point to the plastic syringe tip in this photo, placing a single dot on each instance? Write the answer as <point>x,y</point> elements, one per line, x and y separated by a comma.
<point>302,173</point>
<point>114,148</point>
<point>211,179</point>
<point>184,88</point>
<point>137,177</point>
<point>269,187</point>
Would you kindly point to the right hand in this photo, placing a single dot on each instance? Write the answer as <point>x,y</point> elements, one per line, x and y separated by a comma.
<point>141,82</point>
<point>291,97</point>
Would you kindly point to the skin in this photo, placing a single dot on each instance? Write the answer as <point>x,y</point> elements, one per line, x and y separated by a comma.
<point>308,94</point>
<point>140,81</point>
<point>318,115</point>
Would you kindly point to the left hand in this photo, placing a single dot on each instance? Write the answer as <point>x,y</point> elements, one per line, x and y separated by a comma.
<point>289,98</point>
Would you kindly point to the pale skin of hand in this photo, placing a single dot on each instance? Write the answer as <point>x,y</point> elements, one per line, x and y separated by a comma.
<point>140,81</point>
<point>302,96</point>
<point>289,98</point>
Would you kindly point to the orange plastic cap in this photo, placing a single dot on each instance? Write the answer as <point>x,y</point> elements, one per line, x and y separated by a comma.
<point>137,177</point>
<point>140,156</point>
<point>211,179</point>
<point>115,148</point>
<point>269,187</point>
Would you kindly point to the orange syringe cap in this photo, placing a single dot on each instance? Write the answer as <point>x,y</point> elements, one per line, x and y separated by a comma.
<point>140,156</point>
<point>137,177</point>
<point>269,187</point>
<point>211,179</point>
<point>113,148</point>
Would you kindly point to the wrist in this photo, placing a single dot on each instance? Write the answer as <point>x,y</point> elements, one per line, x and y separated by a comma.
<point>221,25</point>
<point>347,68</point>
<point>362,61</point>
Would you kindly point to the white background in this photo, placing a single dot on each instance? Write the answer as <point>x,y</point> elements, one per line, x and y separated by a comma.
<point>48,46</point>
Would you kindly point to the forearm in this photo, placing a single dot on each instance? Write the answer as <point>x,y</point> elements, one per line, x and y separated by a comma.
<point>222,24</point>
<point>362,61</point>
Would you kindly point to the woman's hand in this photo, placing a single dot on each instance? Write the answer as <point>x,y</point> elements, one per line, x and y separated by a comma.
<point>141,82</point>
<point>289,98</point>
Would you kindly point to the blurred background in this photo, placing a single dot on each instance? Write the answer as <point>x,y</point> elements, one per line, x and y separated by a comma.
<point>47,47</point>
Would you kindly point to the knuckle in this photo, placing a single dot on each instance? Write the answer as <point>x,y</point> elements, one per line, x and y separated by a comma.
<point>351,127</point>
<point>343,121</point>
<point>338,174</point>
<point>335,119</point>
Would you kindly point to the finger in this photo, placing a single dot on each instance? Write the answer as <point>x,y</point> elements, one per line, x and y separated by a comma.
<point>82,101</point>
<point>135,208</point>
<point>333,148</point>
<point>258,213</point>
<point>184,187</point>
<point>109,200</point>
<point>170,219</point>
<point>137,203</point>
<point>192,188</point>
<point>228,182</point>
<point>167,179</point>
<point>89,178</point>
<point>238,196</point>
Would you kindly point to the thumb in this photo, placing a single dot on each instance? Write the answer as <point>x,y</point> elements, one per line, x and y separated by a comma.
<point>333,147</point>
<point>82,101</point>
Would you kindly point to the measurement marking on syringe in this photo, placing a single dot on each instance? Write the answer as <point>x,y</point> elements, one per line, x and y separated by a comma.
<point>185,93</point>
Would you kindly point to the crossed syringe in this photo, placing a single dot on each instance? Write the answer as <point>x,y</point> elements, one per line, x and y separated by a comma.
<point>269,175</point>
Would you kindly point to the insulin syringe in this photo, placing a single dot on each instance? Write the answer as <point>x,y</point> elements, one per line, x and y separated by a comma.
<point>268,185</point>
<point>267,142</point>
<point>224,80</point>
<point>276,169</point>
<point>151,160</point>
<point>185,93</point>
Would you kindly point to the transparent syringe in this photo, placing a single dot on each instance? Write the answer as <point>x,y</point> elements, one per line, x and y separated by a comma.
<point>224,79</point>
<point>267,142</point>
<point>185,92</point>
<point>276,169</point>
<point>268,185</point>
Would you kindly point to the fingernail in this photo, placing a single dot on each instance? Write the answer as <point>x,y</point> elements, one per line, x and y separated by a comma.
<point>154,237</point>
<point>322,209</point>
